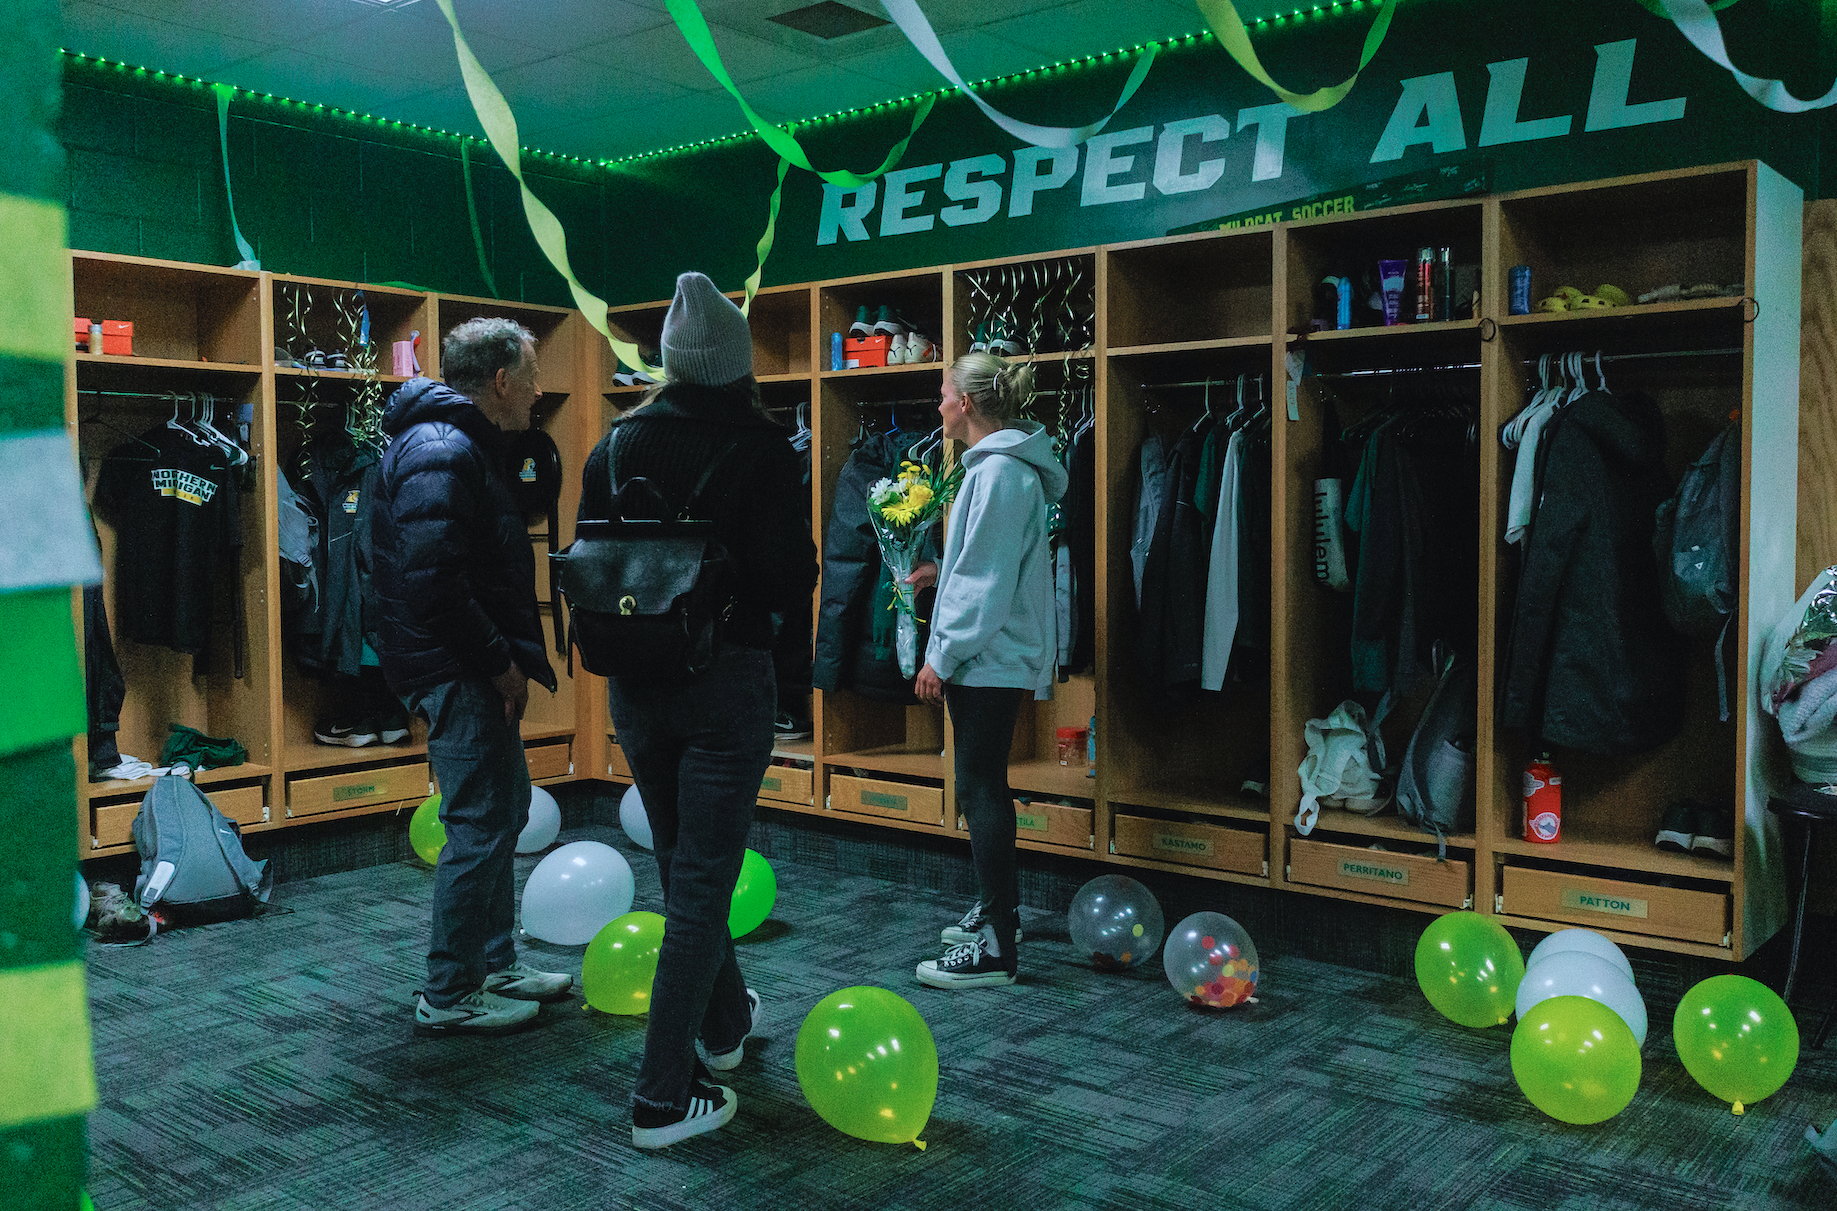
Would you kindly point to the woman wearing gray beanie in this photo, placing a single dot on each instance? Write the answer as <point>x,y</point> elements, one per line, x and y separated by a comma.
<point>698,748</point>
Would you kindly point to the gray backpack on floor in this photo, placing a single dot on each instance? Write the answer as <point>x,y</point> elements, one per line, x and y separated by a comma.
<point>191,860</point>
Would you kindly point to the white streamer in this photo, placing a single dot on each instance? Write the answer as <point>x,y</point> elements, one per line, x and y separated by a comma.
<point>1700,26</point>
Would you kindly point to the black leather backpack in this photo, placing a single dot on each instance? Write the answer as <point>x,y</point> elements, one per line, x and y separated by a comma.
<point>647,598</point>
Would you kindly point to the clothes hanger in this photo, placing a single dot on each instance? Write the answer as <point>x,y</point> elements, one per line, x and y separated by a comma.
<point>237,455</point>
<point>97,419</point>
<point>180,426</point>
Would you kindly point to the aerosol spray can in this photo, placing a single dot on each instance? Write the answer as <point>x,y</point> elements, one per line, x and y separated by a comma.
<point>1543,801</point>
<point>1425,286</point>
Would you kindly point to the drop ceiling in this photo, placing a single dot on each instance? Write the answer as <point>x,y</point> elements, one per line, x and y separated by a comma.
<point>597,78</point>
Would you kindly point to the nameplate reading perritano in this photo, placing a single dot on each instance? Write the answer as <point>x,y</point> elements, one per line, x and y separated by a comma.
<point>1396,876</point>
<point>1182,845</point>
<point>893,803</point>
<point>1594,901</point>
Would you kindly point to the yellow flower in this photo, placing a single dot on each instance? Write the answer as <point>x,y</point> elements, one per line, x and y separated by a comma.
<point>919,495</point>
<point>900,514</point>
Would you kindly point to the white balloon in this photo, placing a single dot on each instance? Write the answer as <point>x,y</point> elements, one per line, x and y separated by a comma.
<point>633,819</point>
<point>1573,973</point>
<point>544,822</point>
<point>79,915</point>
<point>575,892</point>
<point>1585,940</point>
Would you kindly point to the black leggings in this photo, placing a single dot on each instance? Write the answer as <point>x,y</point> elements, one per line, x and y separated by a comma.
<point>982,719</point>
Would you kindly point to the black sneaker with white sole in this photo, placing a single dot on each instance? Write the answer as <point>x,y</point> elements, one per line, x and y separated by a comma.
<point>480,1013</point>
<point>710,1107</point>
<point>966,929</point>
<point>1713,833</point>
<point>1675,828</point>
<point>727,1061</point>
<point>394,729</point>
<point>968,966</point>
<point>350,733</point>
<point>790,727</point>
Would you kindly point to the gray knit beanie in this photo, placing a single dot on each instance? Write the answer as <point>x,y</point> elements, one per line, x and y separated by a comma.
<point>705,338</point>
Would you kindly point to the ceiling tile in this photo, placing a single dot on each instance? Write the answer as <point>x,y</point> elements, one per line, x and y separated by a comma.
<point>565,90</point>
<point>91,29</point>
<point>812,92</point>
<point>303,77</point>
<point>422,54</point>
<point>661,53</point>
<point>272,22</point>
<point>558,26</point>
<point>1055,34</point>
<point>975,54</point>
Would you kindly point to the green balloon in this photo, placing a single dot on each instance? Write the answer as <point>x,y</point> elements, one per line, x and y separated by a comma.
<point>1736,1038</point>
<point>1575,1059</point>
<point>426,834</point>
<point>621,962</point>
<point>755,891</point>
<point>1469,968</point>
<point>868,1064</point>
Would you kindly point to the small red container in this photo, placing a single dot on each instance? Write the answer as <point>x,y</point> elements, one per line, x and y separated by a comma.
<point>1543,801</point>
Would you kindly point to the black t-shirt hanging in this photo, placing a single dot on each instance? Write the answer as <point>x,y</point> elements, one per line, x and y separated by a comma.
<point>178,520</point>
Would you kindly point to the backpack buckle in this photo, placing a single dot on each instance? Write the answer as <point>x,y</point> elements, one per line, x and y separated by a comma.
<point>627,604</point>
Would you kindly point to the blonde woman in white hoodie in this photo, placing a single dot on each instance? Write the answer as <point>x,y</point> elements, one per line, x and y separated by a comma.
<point>992,638</point>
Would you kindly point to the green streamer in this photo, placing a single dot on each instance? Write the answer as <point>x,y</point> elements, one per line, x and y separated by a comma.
<point>766,240</point>
<point>1222,16</point>
<point>224,92</point>
<point>478,239</point>
<point>695,31</point>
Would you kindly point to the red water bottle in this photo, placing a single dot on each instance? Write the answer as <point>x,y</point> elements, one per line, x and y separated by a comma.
<point>1543,801</point>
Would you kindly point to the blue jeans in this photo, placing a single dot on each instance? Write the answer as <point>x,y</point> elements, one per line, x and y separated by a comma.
<point>697,751</point>
<point>982,722</point>
<point>484,803</point>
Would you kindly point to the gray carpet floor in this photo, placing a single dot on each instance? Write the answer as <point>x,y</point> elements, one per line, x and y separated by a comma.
<point>270,1064</point>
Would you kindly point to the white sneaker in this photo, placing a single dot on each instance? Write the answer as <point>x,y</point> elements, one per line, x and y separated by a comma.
<point>888,325</point>
<point>896,350</point>
<point>480,1013</point>
<point>920,349</point>
<point>727,1061</point>
<point>521,982</point>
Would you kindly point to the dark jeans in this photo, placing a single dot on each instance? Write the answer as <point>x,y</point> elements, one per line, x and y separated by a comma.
<point>697,751</point>
<point>484,803</point>
<point>982,726</point>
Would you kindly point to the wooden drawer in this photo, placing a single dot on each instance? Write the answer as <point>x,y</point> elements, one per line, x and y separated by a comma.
<point>1052,823</point>
<point>113,822</point>
<point>357,788</point>
<point>1665,912</point>
<point>549,761</point>
<point>895,800</point>
<point>1213,846</point>
<point>615,763</point>
<point>1377,873</point>
<point>787,784</point>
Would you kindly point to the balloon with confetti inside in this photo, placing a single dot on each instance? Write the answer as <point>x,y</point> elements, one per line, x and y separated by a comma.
<point>1211,961</point>
<point>1116,921</point>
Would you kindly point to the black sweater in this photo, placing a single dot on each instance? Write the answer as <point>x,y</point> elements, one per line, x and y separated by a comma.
<point>756,499</point>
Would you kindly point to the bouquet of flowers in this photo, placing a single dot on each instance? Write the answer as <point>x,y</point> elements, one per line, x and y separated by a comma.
<point>903,510</point>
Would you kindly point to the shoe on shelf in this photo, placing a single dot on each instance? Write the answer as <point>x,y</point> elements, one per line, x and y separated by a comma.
<point>861,329</point>
<point>710,1107</point>
<point>521,982</point>
<point>1713,834</point>
<point>727,1061</point>
<point>790,727</point>
<point>480,1012</point>
<point>919,348</point>
<point>351,733</point>
<point>393,728</point>
<point>965,931</point>
<point>1675,830</point>
<point>896,350</point>
<point>968,966</point>
<point>979,342</point>
<point>1002,342</point>
<point>887,324</point>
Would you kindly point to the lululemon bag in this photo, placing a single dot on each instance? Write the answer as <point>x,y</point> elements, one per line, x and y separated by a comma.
<point>192,866</point>
<point>1435,786</point>
<point>647,599</point>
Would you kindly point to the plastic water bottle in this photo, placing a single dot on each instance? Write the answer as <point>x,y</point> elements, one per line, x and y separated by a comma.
<point>835,351</point>
<point>1090,749</point>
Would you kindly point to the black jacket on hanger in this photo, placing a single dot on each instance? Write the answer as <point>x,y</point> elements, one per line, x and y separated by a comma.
<point>1592,663</point>
<point>455,572</point>
<point>337,487</point>
<point>1079,508</point>
<point>1172,630</point>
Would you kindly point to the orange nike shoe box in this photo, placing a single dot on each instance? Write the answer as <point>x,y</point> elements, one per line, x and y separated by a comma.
<point>859,351</point>
<point>117,336</point>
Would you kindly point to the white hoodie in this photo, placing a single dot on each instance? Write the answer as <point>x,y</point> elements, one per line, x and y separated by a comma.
<point>993,621</point>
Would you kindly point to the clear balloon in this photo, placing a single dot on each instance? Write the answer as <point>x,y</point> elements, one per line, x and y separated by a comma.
<point>79,914</point>
<point>1737,1038</point>
<point>1577,973</point>
<point>1575,1060</point>
<point>1584,940</point>
<point>574,892</point>
<point>1211,961</point>
<point>755,891</point>
<point>426,834</point>
<point>620,965</point>
<point>868,1064</point>
<point>1116,921</point>
<point>633,819</point>
<point>1469,968</point>
<point>544,822</point>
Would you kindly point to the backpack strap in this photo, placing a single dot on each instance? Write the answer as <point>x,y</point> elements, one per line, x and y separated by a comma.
<point>701,484</point>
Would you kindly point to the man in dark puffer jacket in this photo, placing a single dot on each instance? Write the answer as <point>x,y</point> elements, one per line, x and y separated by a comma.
<point>460,638</point>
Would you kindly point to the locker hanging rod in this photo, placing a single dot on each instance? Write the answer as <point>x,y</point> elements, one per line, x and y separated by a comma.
<point>1610,357</point>
<point>162,396</point>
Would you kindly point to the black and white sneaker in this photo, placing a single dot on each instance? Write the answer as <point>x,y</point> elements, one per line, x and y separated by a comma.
<point>965,931</point>
<point>711,1106</point>
<point>790,727</point>
<point>727,1061</point>
<point>1674,829</point>
<point>967,966</point>
<point>480,1013</point>
<point>1713,832</point>
<point>351,733</point>
<point>393,730</point>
